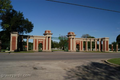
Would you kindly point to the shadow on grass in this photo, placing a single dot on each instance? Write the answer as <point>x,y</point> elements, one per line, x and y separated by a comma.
<point>93,71</point>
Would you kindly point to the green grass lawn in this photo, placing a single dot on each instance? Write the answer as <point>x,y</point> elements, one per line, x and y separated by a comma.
<point>115,61</point>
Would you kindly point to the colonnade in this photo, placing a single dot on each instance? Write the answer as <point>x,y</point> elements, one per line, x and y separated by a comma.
<point>44,40</point>
<point>72,41</point>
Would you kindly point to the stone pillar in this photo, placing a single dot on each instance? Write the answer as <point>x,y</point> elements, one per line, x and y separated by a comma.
<point>99,45</point>
<point>37,44</point>
<point>116,47</point>
<point>75,45</point>
<point>105,46</point>
<point>95,45</point>
<point>90,45</point>
<point>81,45</point>
<point>33,44</point>
<point>13,41</point>
<point>27,43</point>
<point>43,45</point>
<point>86,46</point>
<point>46,43</point>
<point>71,44</point>
<point>112,47</point>
<point>50,43</point>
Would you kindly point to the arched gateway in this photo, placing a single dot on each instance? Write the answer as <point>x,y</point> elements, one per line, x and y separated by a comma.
<point>17,40</point>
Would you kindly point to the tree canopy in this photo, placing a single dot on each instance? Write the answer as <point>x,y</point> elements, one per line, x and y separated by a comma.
<point>4,6</point>
<point>86,36</point>
<point>54,44</point>
<point>63,41</point>
<point>118,39</point>
<point>14,21</point>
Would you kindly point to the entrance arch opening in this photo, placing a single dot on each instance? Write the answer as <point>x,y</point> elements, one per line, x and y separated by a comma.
<point>77,47</point>
<point>40,47</point>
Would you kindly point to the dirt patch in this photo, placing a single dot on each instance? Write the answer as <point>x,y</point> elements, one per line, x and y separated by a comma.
<point>39,70</point>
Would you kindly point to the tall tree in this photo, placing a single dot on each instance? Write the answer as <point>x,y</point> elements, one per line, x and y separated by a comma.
<point>88,36</point>
<point>63,41</point>
<point>54,44</point>
<point>4,6</point>
<point>118,38</point>
<point>14,21</point>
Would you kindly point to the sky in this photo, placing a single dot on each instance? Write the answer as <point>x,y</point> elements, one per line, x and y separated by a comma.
<point>63,18</point>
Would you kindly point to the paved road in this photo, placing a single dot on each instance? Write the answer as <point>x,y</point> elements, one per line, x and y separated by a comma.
<point>56,56</point>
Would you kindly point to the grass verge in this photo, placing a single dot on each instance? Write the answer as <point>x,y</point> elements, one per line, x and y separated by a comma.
<point>115,61</point>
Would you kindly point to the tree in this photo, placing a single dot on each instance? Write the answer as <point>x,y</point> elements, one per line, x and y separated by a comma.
<point>4,6</point>
<point>88,36</point>
<point>63,41</point>
<point>118,38</point>
<point>114,45</point>
<point>54,44</point>
<point>14,21</point>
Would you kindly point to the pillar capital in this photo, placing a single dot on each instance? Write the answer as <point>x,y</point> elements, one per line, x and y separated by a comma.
<point>71,35</point>
<point>47,33</point>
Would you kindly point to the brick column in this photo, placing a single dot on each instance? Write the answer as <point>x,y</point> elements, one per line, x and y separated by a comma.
<point>75,45</point>
<point>13,41</point>
<point>81,45</point>
<point>99,45</point>
<point>46,43</point>
<point>107,45</point>
<point>43,44</point>
<point>71,44</point>
<point>50,44</point>
<point>104,45</point>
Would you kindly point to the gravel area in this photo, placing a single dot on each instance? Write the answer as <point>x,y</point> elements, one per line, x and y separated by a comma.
<point>48,70</point>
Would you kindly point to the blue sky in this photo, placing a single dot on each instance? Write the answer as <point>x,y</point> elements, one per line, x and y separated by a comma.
<point>63,18</point>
